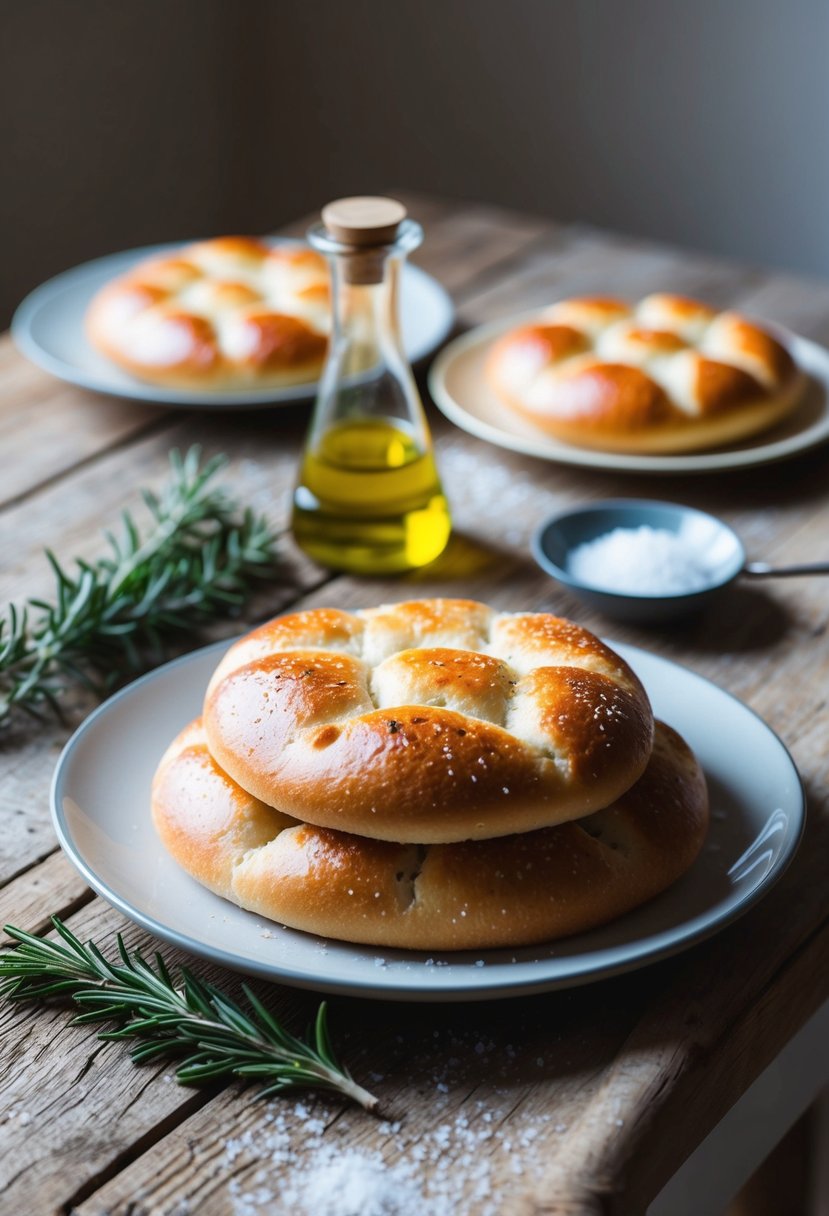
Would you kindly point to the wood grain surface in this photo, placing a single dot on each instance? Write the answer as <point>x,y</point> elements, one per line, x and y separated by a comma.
<point>580,1102</point>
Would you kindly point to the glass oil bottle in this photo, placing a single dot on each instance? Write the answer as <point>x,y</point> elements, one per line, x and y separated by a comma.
<point>369,498</point>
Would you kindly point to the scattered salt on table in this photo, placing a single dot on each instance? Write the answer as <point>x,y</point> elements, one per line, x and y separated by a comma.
<point>640,561</point>
<point>359,1184</point>
<point>299,1164</point>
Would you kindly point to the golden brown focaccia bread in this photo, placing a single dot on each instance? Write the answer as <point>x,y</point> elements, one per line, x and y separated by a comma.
<point>230,313</point>
<point>665,375</point>
<point>428,721</point>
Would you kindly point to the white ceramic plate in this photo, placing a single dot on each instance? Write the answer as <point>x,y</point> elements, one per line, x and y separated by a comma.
<point>101,800</point>
<point>48,329</point>
<point>459,387</point>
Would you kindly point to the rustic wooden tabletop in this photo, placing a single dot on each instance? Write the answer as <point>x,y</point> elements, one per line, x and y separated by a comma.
<point>576,1102</point>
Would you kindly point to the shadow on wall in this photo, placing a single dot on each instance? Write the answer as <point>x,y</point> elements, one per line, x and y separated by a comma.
<point>701,124</point>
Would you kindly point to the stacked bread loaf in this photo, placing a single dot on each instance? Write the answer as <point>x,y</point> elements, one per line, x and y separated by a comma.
<point>432,775</point>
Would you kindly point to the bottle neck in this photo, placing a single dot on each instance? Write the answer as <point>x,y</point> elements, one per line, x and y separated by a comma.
<point>365,328</point>
<point>367,375</point>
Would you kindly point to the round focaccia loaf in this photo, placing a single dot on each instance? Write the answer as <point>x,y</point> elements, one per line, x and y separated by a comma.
<point>485,893</point>
<point>665,375</point>
<point>233,312</point>
<point>428,721</point>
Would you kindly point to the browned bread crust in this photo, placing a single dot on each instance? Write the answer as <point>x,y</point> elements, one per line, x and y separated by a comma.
<point>665,375</point>
<point>228,313</point>
<point>508,892</point>
<point>428,721</point>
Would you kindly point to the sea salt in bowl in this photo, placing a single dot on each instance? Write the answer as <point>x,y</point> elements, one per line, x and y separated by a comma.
<point>637,560</point>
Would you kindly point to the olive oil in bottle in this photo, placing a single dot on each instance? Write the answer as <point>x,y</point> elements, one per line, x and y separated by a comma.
<point>368,498</point>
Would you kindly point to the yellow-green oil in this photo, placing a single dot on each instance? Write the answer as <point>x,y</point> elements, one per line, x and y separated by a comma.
<point>369,500</point>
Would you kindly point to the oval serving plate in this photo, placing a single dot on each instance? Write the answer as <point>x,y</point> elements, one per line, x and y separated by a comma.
<point>48,328</point>
<point>101,811</point>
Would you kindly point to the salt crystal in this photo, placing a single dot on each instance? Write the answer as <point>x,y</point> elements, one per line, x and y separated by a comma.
<point>359,1184</point>
<point>641,561</point>
<point>302,1165</point>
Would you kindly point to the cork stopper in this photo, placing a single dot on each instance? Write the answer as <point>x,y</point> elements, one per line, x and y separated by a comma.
<point>364,220</point>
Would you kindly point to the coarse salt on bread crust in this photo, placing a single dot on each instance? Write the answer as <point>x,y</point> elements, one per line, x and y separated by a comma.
<point>665,375</point>
<point>229,313</point>
<point>513,891</point>
<point>428,721</point>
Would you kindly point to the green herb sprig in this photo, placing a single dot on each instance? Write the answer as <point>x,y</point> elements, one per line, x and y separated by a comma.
<point>171,1017</point>
<point>196,562</point>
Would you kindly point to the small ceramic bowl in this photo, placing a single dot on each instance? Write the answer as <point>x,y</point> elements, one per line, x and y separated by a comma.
<point>724,555</point>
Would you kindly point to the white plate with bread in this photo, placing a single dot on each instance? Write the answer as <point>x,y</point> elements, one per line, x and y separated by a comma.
<point>233,321</point>
<point>110,773</point>
<point>666,385</point>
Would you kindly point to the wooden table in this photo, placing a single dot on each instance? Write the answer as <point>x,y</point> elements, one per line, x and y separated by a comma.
<point>583,1101</point>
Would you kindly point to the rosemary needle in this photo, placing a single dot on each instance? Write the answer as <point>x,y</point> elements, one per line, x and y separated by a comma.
<point>174,1017</point>
<point>197,561</point>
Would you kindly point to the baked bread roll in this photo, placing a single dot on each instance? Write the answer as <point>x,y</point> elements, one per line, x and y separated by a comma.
<point>228,313</point>
<point>428,721</point>
<point>508,892</point>
<point>665,375</point>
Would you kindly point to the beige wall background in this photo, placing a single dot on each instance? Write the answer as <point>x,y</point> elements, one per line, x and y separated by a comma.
<point>135,121</point>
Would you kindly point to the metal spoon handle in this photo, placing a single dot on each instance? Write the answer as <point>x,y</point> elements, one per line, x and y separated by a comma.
<point>764,570</point>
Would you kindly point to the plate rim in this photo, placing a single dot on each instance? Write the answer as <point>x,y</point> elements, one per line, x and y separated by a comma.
<point>691,932</point>
<point>687,463</point>
<point>192,399</point>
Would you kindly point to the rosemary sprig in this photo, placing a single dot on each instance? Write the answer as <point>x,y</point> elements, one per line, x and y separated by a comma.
<point>216,1036</point>
<point>196,562</point>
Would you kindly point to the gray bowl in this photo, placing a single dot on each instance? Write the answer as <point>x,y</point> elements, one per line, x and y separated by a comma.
<point>557,537</point>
